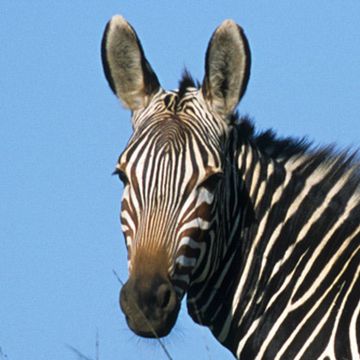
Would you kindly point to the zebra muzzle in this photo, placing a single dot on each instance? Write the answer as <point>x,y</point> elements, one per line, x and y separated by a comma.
<point>150,305</point>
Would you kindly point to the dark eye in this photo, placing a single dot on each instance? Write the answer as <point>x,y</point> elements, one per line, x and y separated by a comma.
<point>211,181</point>
<point>121,176</point>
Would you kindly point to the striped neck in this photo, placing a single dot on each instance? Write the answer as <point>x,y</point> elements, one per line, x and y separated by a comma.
<point>268,220</point>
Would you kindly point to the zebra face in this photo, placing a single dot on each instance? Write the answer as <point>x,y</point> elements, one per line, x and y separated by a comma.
<point>170,175</point>
<point>171,168</point>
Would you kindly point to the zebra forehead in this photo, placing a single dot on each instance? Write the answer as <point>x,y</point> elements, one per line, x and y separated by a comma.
<point>163,135</point>
<point>171,131</point>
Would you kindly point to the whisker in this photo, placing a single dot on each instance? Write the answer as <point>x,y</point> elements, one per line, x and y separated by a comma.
<point>79,354</point>
<point>147,321</point>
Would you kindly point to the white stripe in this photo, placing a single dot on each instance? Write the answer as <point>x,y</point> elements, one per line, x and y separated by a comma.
<point>128,219</point>
<point>293,306</point>
<point>263,185</point>
<point>317,328</point>
<point>185,261</point>
<point>255,180</point>
<point>252,254</point>
<point>196,223</point>
<point>330,348</point>
<point>276,295</point>
<point>314,217</point>
<point>352,329</point>
<point>325,270</point>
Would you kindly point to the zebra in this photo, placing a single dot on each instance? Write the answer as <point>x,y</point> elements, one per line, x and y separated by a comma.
<point>261,233</point>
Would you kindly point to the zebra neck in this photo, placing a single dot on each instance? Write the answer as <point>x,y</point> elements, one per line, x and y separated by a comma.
<point>250,180</point>
<point>223,297</point>
<point>251,185</point>
<point>277,217</point>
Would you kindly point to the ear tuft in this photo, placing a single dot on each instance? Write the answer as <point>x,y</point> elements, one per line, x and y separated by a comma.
<point>129,74</point>
<point>227,68</point>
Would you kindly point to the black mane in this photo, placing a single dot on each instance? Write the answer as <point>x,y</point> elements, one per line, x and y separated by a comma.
<point>185,82</point>
<point>270,144</point>
<point>282,149</point>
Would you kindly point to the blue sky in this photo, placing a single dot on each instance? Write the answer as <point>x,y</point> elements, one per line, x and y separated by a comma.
<point>61,132</point>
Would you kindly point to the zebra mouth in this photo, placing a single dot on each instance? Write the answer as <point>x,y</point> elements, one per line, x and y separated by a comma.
<point>152,329</point>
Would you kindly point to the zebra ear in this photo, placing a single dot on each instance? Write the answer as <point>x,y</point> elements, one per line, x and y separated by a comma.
<point>129,74</point>
<point>227,68</point>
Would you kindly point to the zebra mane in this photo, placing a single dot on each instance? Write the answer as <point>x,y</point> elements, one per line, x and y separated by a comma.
<point>269,143</point>
<point>282,149</point>
<point>185,82</point>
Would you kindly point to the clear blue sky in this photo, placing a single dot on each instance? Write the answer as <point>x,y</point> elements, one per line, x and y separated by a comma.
<point>61,131</point>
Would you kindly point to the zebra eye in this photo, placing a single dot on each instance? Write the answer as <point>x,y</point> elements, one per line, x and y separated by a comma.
<point>211,181</point>
<point>121,176</point>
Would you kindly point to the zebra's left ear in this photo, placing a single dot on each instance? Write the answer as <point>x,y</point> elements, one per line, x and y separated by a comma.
<point>227,68</point>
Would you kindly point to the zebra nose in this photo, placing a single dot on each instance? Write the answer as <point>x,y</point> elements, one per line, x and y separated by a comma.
<point>151,306</point>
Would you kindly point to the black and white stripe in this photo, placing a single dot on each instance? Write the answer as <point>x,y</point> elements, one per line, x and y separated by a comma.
<point>289,284</point>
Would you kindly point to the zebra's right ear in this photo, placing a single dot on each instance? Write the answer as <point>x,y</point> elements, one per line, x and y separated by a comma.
<point>129,74</point>
<point>227,68</point>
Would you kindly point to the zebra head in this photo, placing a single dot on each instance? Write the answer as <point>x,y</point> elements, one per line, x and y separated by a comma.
<point>172,168</point>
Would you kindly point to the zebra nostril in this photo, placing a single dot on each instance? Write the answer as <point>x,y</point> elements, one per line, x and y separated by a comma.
<point>165,296</point>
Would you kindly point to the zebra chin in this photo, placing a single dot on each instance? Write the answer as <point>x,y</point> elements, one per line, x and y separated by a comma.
<point>151,306</point>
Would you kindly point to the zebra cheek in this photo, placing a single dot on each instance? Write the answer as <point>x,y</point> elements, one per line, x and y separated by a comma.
<point>190,252</point>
